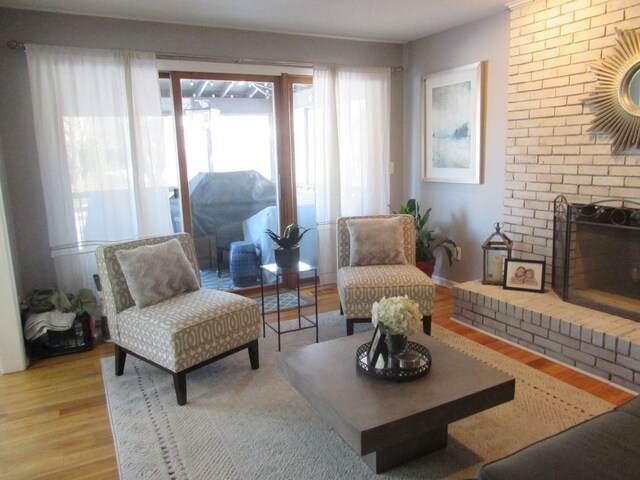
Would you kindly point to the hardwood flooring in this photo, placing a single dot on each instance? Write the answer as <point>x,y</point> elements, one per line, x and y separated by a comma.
<point>54,422</point>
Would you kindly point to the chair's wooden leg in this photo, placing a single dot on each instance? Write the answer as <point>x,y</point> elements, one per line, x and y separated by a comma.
<point>426,324</point>
<point>121,357</point>
<point>350,323</point>
<point>180,384</point>
<point>254,355</point>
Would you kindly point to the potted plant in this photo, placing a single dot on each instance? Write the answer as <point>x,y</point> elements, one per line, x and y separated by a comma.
<point>288,251</point>
<point>426,243</point>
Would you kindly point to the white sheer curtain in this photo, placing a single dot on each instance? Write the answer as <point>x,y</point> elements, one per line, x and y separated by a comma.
<point>99,133</point>
<point>352,125</point>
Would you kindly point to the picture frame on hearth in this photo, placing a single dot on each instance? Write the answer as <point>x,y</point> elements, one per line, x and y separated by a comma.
<point>376,347</point>
<point>526,275</point>
<point>452,125</point>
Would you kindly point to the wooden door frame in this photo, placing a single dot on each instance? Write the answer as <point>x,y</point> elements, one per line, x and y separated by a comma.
<point>289,214</point>
<point>178,114</point>
<point>285,153</point>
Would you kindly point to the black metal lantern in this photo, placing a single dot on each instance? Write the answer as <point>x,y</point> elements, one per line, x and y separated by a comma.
<point>495,250</point>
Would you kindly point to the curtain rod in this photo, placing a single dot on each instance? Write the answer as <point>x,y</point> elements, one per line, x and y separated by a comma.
<point>15,44</point>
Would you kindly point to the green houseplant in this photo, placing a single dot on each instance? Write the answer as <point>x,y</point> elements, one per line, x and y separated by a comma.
<point>426,243</point>
<point>288,251</point>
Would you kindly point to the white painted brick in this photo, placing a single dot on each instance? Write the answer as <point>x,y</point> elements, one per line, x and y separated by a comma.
<point>625,171</point>
<point>608,19</point>
<point>575,5</point>
<point>588,56</point>
<point>592,170</point>
<point>569,110</point>
<point>519,334</point>
<point>624,347</point>
<point>563,339</point>
<point>625,192</point>
<point>517,41</point>
<point>588,190</point>
<point>596,150</point>
<point>557,62</point>
<point>548,13</point>
<point>578,139</point>
<point>579,356</point>
<point>629,363</point>
<point>539,168</point>
<point>578,159</point>
<point>589,34</point>
<point>570,90</point>
<point>541,150</point>
<point>532,28</point>
<point>565,169</point>
<point>614,369</point>
<point>521,22</point>
<point>531,47</point>
<point>577,179</point>
<point>590,12</point>
<point>609,181</point>
<point>598,352</point>
<point>566,150</point>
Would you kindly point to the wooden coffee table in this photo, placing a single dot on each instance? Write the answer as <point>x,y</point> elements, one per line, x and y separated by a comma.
<point>391,423</point>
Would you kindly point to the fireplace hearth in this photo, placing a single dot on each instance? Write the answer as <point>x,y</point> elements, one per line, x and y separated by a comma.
<point>596,255</point>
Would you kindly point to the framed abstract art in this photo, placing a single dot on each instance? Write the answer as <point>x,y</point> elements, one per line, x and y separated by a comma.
<point>452,125</point>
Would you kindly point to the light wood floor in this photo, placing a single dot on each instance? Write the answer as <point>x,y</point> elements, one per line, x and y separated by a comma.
<point>54,422</point>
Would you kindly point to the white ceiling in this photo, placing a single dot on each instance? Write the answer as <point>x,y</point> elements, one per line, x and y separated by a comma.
<point>396,21</point>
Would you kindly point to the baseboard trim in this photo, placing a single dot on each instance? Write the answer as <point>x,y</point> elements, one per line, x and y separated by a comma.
<point>443,282</point>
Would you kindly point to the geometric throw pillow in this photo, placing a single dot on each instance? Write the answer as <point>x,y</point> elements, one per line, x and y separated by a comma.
<point>157,272</point>
<point>376,241</point>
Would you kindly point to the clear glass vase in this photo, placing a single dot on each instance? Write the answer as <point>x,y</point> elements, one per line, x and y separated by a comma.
<point>396,343</point>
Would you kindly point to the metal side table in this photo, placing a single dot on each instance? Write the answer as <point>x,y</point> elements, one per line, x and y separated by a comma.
<point>279,273</point>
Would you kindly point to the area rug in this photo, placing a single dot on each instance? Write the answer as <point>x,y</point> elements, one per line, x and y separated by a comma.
<point>288,301</point>
<point>246,424</point>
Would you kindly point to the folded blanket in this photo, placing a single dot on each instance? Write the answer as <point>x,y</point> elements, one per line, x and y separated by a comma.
<point>38,324</point>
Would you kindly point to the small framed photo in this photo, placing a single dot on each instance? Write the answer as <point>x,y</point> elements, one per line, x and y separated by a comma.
<point>376,347</point>
<point>525,275</point>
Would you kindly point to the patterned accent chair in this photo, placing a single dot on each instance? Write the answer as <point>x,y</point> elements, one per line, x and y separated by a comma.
<point>360,286</point>
<point>181,333</point>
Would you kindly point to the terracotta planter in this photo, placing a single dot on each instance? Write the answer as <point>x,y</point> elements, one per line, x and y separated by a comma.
<point>427,266</point>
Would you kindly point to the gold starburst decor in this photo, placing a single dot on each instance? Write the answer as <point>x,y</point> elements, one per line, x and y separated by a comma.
<point>616,99</point>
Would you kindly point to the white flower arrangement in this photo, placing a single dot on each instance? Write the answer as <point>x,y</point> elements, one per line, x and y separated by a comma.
<point>399,315</point>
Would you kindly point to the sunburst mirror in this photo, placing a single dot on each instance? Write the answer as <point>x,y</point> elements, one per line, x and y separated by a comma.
<point>616,99</point>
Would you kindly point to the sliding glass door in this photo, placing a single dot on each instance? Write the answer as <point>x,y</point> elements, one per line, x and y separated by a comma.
<point>236,168</point>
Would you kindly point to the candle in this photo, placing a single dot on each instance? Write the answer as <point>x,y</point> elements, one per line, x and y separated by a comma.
<point>497,268</point>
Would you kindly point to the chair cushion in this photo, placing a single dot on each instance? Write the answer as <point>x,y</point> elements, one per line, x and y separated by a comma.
<point>376,241</point>
<point>360,287</point>
<point>157,272</point>
<point>188,328</point>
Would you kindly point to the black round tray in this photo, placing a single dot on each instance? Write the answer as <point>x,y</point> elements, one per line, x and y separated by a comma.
<point>391,373</point>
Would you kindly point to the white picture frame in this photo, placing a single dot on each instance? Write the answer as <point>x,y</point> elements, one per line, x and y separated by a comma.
<point>452,125</point>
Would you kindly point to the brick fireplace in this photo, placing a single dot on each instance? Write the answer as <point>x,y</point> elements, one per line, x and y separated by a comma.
<point>551,152</point>
<point>549,148</point>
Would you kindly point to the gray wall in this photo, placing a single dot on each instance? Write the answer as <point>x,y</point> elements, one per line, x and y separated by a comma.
<point>25,199</point>
<point>464,213</point>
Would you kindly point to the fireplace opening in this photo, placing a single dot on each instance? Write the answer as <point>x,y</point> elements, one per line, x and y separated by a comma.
<point>596,255</point>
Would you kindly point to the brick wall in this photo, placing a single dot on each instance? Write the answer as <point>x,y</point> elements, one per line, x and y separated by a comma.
<point>549,148</point>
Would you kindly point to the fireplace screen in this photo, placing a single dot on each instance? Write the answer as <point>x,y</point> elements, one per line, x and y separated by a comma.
<point>596,255</point>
